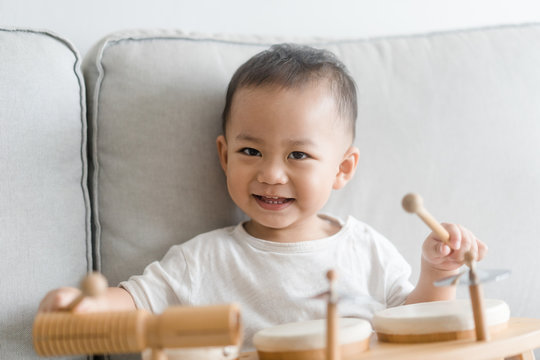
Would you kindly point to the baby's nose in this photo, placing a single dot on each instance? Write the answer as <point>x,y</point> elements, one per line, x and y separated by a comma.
<point>272,172</point>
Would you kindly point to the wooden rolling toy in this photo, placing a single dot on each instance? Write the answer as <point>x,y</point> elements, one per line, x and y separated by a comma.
<point>66,333</point>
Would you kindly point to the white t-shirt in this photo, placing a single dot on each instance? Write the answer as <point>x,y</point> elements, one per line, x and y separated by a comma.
<point>272,281</point>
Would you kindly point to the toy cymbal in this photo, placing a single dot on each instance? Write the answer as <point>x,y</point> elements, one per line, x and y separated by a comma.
<point>482,277</point>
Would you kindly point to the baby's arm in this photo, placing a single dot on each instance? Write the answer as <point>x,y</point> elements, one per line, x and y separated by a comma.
<point>439,261</point>
<point>114,299</point>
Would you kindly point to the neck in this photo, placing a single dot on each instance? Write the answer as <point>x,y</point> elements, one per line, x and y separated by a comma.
<point>313,229</point>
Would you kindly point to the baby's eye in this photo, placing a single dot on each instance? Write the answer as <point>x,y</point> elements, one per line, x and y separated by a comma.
<point>250,152</point>
<point>298,155</point>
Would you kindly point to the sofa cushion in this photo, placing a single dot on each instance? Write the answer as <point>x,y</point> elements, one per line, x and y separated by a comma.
<point>452,116</point>
<point>44,206</point>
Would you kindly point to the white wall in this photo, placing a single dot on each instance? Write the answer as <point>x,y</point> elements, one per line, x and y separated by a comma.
<point>85,22</point>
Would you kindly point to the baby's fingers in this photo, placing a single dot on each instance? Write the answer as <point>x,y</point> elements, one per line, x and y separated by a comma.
<point>465,241</point>
<point>58,299</point>
<point>455,236</point>
<point>482,250</point>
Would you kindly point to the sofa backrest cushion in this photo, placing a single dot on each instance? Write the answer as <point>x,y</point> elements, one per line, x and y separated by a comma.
<point>44,204</point>
<point>452,116</point>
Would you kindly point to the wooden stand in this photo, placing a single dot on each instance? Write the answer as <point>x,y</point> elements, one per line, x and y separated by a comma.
<point>517,341</point>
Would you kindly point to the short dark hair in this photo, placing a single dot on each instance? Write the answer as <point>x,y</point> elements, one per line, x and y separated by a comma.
<point>292,65</point>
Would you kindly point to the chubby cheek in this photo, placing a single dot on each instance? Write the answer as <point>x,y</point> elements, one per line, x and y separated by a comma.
<point>237,184</point>
<point>313,190</point>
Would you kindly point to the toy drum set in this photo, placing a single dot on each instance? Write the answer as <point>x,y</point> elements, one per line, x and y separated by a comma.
<point>215,332</point>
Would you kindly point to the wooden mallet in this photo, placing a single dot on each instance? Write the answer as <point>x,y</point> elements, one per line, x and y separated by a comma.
<point>413,203</point>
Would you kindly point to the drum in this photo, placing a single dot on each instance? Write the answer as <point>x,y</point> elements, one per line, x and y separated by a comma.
<point>202,353</point>
<point>307,340</point>
<point>437,321</point>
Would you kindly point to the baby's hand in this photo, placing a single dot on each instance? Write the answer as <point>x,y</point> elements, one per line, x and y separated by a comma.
<point>444,258</point>
<point>59,299</point>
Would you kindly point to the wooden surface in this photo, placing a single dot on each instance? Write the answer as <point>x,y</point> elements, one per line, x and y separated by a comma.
<point>521,336</point>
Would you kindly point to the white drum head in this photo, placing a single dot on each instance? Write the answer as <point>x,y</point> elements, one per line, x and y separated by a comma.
<point>437,317</point>
<point>309,335</point>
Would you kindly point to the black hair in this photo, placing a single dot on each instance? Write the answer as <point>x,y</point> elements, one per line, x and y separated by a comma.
<point>292,66</point>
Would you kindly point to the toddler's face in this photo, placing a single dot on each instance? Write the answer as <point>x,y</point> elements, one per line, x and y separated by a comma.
<point>283,153</point>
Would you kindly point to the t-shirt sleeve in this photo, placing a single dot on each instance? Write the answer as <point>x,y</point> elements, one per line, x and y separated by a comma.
<point>395,271</point>
<point>398,285</point>
<point>163,283</point>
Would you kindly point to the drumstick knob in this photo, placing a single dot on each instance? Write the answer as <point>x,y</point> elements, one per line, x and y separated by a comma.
<point>413,203</point>
<point>94,284</point>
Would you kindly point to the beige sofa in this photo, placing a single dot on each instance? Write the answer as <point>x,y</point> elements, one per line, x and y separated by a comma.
<point>108,170</point>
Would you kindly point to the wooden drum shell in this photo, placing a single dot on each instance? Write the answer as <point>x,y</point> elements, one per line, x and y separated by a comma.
<point>293,346</point>
<point>418,323</point>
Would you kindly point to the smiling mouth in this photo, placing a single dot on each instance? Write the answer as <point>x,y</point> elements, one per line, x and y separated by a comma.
<point>273,202</point>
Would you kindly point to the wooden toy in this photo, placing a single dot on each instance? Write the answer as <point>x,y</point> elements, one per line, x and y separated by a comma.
<point>66,333</point>
<point>332,329</point>
<point>306,340</point>
<point>93,285</point>
<point>515,342</point>
<point>333,338</point>
<point>437,321</point>
<point>413,203</point>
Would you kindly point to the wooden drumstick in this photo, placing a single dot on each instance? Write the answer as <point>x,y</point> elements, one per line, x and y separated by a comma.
<point>413,203</point>
<point>477,299</point>
<point>93,285</point>
<point>332,326</point>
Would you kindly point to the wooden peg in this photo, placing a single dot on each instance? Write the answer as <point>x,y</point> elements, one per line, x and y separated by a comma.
<point>413,203</point>
<point>93,285</point>
<point>332,326</point>
<point>477,299</point>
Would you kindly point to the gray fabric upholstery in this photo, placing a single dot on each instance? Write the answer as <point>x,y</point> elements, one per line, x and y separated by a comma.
<point>452,116</point>
<point>44,205</point>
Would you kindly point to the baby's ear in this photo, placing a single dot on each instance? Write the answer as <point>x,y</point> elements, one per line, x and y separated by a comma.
<point>221,143</point>
<point>347,167</point>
